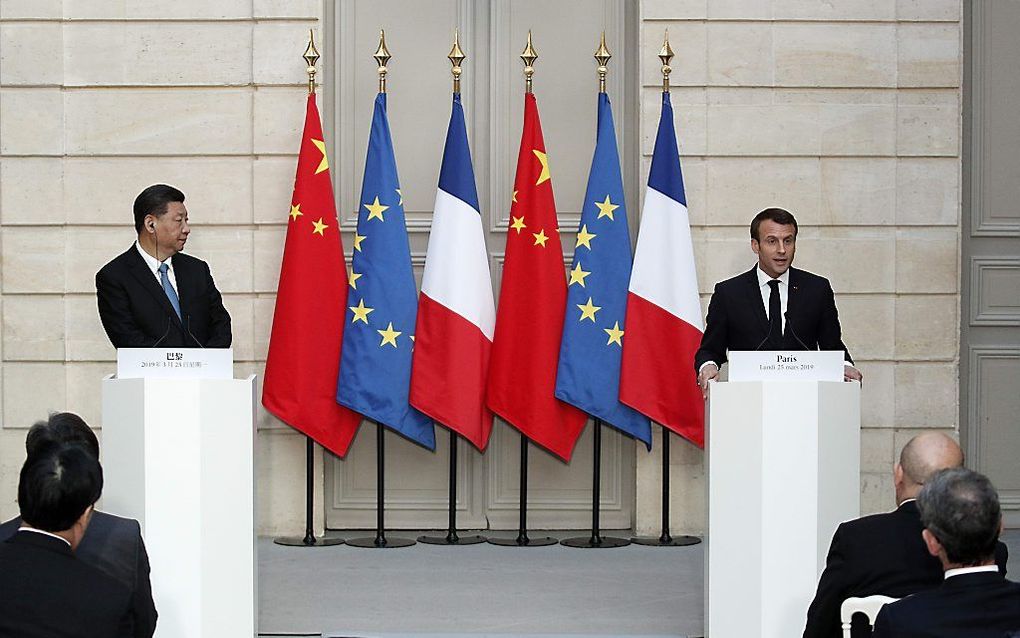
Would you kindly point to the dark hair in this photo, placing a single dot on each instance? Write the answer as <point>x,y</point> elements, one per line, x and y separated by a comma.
<point>58,483</point>
<point>62,427</point>
<point>153,201</point>
<point>778,215</point>
<point>961,509</point>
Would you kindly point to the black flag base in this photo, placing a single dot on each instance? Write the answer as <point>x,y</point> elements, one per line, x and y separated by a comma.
<point>665,540</point>
<point>308,541</point>
<point>595,542</point>
<point>452,539</point>
<point>380,542</point>
<point>523,540</point>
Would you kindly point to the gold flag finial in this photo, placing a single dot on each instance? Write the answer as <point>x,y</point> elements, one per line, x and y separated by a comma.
<point>665,55</point>
<point>602,56</point>
<point>311,56</point>
<point>529,56</point>
<point>382,56</point>
<point>456,57</point>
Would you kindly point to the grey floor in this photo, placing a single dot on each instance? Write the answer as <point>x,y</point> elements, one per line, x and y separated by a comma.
<point>427,591</point>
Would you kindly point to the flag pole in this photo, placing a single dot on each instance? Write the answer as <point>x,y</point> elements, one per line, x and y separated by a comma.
<point>456,58</point>
<point>665,539</point>
<point>311,56</point>
<point>529,55</point>
<point>602,56</point>
<point>382,56</point>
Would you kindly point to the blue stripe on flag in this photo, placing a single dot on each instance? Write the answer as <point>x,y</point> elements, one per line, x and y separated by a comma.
<point>665,175</point>
<point>457,177</point>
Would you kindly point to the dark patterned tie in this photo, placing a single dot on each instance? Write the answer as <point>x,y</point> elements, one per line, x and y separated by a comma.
<point>775,317</point>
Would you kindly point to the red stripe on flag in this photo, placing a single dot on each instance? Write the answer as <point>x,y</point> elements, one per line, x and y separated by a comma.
<point>657,376</point>
<point>451,361</point>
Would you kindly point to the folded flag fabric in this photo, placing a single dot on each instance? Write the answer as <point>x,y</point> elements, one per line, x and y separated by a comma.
<point>588,375</point>
<point>456,312</point>
<point>532,299</point>
<point>664,320</point>
<point>299,387</point>
<point>375,360</point>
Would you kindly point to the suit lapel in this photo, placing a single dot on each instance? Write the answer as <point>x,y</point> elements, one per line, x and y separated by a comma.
<point>754,290</point>
<point>793,294</point>
<point>140,271</point>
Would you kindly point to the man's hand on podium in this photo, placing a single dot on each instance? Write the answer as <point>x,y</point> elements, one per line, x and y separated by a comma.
<point>708,372</point>
<point>851,373</point>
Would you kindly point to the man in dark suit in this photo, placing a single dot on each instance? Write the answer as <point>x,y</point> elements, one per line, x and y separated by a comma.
<point>45,592</point>
<point>155,295</point>
<point>884,553</point>
<point>112,544</point>
<point>772,306</point>
<point>962,522</point>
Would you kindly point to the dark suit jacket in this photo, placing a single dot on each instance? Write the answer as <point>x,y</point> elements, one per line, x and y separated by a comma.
<point>981,605</point>
<point>878,554</point>
<point>45,592</point>
<point>737,319</point>
<point>114,545</point>
<point>137,314</point>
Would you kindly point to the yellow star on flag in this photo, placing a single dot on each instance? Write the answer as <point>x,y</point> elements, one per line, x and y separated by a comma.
<point>324,164</point>
<point>615,334</point>
<point>353,278</point>
<point>588,310</point>
<point>389,335</point>
<point>577,275</point>
<point>357,241</point>
<point>544,175</point>
<point>514,197</point>
<point>540,237</point>
<point>360,312</point>
<point>606,209</point>
<point>375,210</point>
<point>584,237</point>
<point>295,212</point>
<point>319,227</point>
<point>518,224</point>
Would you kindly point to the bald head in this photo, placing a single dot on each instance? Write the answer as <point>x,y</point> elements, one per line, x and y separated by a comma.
<point>922,457</point>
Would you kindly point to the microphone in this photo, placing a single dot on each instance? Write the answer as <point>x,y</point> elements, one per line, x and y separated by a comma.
<point>187,326</point>
<point>789,328</point>
<point>165,333</point>
<point>767,336</point>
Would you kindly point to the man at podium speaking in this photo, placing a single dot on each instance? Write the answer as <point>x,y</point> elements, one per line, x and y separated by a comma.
<point>772,306</point>
<point>154,295</point>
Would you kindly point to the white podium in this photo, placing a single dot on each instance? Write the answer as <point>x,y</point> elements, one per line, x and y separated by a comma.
<point>178,456</point>
<point>783,472</point>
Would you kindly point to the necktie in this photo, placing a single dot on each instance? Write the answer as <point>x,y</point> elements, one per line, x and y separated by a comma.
<point>775,316</point>
<point>171,294</point>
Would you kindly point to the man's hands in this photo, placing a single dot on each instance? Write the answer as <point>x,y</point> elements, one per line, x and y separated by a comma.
<point>708,372</point>
<point>851,373</point>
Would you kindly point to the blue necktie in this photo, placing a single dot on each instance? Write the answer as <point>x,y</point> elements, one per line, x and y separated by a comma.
<point>171,294</point>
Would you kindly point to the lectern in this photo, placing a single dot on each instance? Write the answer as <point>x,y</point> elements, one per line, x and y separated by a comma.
<point>783,472</point>
<point>178,456</point>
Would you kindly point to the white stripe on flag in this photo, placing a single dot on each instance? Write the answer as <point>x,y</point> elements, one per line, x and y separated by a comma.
<point>663,272</point>
<point>457,263</point>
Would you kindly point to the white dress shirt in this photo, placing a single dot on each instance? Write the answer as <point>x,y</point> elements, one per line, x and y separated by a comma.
<point>971,570</point>
<point>26,528</point>
<point>153,265</point>
<point>766,292</point>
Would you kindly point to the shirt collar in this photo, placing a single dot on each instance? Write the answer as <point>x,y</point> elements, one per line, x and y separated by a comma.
<point>26,528</point>
<point>764,279</point>
<point>970,570</point>
<point>151,261</point>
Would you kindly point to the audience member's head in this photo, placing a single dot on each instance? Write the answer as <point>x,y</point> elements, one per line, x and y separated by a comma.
<point>62,427</point>
<point>59,484</point>
<point>920,459</point>
<point>961,516</point>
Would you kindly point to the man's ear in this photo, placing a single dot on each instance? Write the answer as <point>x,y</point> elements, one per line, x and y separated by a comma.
<point>754,245</point>
<point>897,472</point>
<point>933,544</point>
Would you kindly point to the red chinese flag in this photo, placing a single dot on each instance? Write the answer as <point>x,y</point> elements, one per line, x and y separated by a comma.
<point>304,348</point>
<point>532,301</point>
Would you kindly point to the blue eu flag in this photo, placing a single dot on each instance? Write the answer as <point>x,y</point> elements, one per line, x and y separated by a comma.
<point>588,375</point>
<point>375,358</point>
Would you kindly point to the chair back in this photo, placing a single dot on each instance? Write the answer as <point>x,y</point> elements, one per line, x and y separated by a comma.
<point>868,605</point>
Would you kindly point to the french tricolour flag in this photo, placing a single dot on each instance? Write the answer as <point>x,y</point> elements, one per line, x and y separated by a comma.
<point>456,312</point>
<point>664,324</point>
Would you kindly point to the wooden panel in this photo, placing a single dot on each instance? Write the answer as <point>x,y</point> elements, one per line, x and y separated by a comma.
<point>995,291</point>
<point>996,439</point>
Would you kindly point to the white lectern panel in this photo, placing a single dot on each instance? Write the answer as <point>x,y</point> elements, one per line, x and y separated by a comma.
<point>178,456</point>
<point>784,471</point>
